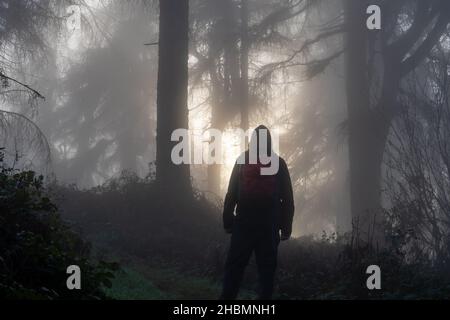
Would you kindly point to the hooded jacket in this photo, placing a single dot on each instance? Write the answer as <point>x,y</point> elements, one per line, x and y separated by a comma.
<point>277,210</point>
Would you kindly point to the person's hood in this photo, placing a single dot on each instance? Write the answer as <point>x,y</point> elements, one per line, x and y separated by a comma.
<point>261,138</point>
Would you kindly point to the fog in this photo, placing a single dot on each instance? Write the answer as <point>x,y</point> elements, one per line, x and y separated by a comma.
<point>362,115</point>
<point>99,84</point>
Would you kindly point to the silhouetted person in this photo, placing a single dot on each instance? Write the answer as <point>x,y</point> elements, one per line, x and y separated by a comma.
<point>264,209</point>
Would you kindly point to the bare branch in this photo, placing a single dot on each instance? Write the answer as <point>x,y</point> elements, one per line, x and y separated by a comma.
<point>431,40</point>
<point>35,92</point>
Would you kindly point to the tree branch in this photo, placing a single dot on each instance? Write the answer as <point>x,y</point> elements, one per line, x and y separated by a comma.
<point>306,44</point>
<point>423,17</point>
<point>427,45</point>
<point>35,92</point>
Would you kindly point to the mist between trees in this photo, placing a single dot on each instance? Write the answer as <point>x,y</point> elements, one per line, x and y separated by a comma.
<point>362,115</point>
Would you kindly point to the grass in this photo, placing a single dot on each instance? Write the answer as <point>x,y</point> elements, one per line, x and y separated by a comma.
<point>131,285</point>
<point>140,279</point>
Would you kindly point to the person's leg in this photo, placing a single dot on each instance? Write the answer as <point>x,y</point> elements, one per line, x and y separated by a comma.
<point>266,251</point>
<point>241,248</point>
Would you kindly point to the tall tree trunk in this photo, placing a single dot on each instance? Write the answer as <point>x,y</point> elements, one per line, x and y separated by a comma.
<point>365,148</point>
<point>245,48</point>
<point>225,96</point>
<point>172,110</point>
<point>231,56</point>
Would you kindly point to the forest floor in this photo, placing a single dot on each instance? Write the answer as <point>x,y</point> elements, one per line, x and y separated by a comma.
<point>141,279</point>
<point>176,250</point>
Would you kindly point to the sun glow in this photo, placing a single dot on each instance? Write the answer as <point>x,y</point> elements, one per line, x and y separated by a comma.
<point>232,142</point>
<point>231,148</point>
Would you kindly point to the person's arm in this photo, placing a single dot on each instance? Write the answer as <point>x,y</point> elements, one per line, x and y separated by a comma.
<point>287,198</point>
<point>231,200</point>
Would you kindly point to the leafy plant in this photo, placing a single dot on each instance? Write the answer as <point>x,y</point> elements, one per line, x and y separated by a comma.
<point>37,247</point>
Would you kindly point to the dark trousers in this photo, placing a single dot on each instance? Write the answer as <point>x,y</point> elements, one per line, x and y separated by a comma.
<point>246,239</point>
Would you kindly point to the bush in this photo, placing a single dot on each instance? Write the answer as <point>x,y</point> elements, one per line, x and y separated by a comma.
<point>335,268</point>
<point>133,215</point>
<point>36,247</point>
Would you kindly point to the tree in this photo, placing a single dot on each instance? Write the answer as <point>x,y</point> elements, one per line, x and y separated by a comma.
<point>245,48</point>
<point>418,159</point>
<point>378,62</point>
<point>229,33</point>
<point>364,171</point>
<point>22,41</point>
<point>374,82</point>
<point>114,83</point>
<point>172,110</point>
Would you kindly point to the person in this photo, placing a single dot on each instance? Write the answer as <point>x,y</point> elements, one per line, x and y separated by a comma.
<point>264,212</point>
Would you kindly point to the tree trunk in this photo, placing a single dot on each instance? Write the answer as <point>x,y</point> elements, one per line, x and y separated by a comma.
<point>365,146</point>
<point>172,110</point>
<point>224,96</point>
<point>244,99</point>
<point>231,57</point>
